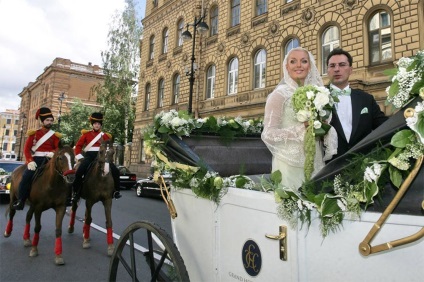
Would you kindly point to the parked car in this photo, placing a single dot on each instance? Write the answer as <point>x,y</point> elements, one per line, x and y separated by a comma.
<point>6,169</point>
<point>148,187</point>
<point>127,178</point>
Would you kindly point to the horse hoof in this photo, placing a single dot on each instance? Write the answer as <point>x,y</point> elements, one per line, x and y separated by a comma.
<point>110,249</point>
<point>33,253</point>
<point>86,244</point>
<point>6,235</point>
<point>58,260</point>
<point>70,229</point>
<point>27,243</point>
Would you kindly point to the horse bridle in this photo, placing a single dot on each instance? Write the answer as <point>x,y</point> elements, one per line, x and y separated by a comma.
<point>62,174</point>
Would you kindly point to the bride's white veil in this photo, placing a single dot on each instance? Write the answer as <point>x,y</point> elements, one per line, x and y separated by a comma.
<point>313,78</point>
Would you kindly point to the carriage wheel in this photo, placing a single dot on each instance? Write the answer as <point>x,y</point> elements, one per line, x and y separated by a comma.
<point>161,261</point>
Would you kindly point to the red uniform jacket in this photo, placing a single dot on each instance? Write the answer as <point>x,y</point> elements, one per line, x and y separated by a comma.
<point>50,145</point>
<point>86,138</point>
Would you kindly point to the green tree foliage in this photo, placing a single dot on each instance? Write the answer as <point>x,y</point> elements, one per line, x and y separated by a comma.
<point>74,121</point>
<point>121,67</point>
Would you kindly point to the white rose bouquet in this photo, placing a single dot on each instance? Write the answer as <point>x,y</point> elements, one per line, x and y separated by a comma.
<point>313,104</point>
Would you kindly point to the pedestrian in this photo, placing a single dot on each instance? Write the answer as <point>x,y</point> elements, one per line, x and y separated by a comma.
<point>39,148</point>
<point>86,151</point>
<point>357,113</point>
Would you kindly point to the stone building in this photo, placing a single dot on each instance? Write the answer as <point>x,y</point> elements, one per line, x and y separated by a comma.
<point>238,61</point>
<point>56,88</point>
<point>9,128</point>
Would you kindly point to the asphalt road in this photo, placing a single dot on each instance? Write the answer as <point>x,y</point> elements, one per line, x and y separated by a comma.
<point>80,264</point>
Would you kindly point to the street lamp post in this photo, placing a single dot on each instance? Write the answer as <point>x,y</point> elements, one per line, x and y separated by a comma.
<point>22,134</point>
<point>61,98</point>
<point>200,25</point>
<point>2,139</point>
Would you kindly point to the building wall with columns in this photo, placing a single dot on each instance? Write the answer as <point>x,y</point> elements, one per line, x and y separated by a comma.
<point>62,78</point>
<point>305,21</point>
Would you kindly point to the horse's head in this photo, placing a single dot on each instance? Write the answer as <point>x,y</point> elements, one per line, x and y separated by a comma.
<point>106,152</point>
<point>64,161</point>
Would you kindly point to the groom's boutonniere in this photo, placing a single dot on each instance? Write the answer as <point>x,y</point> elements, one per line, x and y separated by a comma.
<point>364,111</point>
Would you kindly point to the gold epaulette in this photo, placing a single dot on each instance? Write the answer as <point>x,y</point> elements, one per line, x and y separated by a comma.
<point>109,135</point>
<point>31,132</point>
<point>84,131</point>
<point>58,135</point>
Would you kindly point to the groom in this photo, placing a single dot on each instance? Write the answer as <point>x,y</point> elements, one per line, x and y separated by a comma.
<point>357,113</point>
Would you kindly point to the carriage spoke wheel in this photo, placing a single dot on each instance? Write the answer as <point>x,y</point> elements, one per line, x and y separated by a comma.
<point>146,252</point>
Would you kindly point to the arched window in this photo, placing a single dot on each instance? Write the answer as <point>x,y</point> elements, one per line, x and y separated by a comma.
<point>147,97</point>
<point>176,88</point>
<point>380,37</point>
<point>214,20</point>
<point>235,12</point>
<point>180,27</point>
<point>232,76</point>
<point>161,90</point>
<point>210,79</point>
<point>292,43</point>
<point>152,47</point>
<point>261,7</point>
<point>330,41</point>
<point>165,41</point>
<point>259,69</point>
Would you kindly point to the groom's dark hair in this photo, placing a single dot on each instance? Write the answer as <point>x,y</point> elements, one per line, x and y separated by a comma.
<point>340,51</point>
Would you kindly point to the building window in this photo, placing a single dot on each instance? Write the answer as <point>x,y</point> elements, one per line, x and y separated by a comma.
<point>330,41</point>
<point>180,28</point>
<point>210,88</point>
<point>214,20</point>
<point>380,37</point>
<point>152,47</point>
<point>165,41</point>
<point>161,90</point>
<point>261,7</point>
<point>9,121</point>
<point>259,69</point>
<point>7,133</point>
<point>292,43</point>
<point>235,12</point>
<point>232,76</point>
<point>155,3</point>
<point>147,97</point>
<point>176,88</point>
<point>15,132</point>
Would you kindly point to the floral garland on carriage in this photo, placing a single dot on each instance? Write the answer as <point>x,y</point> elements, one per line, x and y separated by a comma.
<point>348,196</point>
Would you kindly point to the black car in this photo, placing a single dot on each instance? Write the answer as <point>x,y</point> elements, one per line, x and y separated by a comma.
<point>148,187</point>
<point>6,169</point>
<point>126,177</point>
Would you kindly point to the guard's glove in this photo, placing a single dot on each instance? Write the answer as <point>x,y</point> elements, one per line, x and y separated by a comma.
<point>32,165</point>
<point>50,155</point>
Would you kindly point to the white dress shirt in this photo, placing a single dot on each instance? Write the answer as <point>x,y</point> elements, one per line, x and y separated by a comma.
<point>344,111</point>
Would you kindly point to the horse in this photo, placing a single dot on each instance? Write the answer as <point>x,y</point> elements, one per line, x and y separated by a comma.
<point>50,189</point>
<point>97,186</point>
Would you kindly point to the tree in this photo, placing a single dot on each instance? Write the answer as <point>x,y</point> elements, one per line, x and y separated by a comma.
<point>121,67</point>
<point>75,120</point>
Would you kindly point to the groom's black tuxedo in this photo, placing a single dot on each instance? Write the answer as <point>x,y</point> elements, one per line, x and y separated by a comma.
<point>366,116</point>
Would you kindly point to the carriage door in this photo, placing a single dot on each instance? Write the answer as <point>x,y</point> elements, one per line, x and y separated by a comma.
<point>245,253</point>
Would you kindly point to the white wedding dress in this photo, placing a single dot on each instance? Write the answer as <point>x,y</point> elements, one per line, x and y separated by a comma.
<point>284,134</point>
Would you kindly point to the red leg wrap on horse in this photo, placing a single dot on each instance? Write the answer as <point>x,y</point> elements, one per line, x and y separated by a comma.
<point>109,235</point>
<point>26,232</point>
<point>72,222</point>
<point>58,246</point>
<point>86,231</point>
<point>9,227</point>
<point>36,239</point>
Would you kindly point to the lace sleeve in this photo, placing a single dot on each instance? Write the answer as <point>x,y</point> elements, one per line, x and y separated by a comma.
<point>282,133</point>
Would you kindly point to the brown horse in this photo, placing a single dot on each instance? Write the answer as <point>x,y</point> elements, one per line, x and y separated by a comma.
<point>98,186</point>
<point>48,190</point>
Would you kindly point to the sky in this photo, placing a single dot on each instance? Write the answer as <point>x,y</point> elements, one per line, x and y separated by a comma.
<point>35,32</point>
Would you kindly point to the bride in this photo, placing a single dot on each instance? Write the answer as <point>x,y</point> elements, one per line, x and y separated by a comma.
<point>283,133</point>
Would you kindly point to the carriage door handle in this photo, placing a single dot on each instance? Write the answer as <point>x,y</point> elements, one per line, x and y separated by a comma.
<point>282,238</point>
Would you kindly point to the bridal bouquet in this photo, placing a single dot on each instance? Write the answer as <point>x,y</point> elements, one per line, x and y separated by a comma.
<point>313,104</point>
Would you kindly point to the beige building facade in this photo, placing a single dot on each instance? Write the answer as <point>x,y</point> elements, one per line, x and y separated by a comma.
<point>56,88</point>
<point>239,60</point>
<point>9,130</point>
